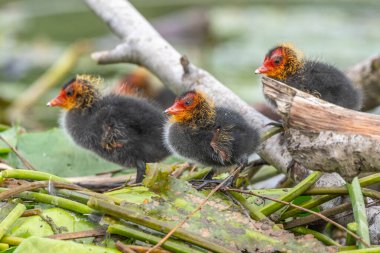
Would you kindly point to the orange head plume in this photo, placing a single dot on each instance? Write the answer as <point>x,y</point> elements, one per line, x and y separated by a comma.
<point>192,108</point>
<point>79,92</point>
<point>281,61</point>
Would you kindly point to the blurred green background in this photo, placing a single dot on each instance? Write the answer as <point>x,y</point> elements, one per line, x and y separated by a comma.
<point>227,38</point>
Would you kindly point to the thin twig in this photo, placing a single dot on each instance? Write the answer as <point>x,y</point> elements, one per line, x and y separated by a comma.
<point>109,172</point>
<point>80,234</point>
<point>54,227</point>
<point>4,166</point>
<point>179,171</point>
<point>242,207</point>
<point>196,209</point>
<point>124,248</point>
<point>330,212</point>
<point>35,185</point>
<point>142,249</point>
<point>27,164</point>
<point>305,210</point>
<point>311,218</point>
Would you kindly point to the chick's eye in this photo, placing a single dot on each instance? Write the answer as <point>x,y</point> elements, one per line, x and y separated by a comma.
<point>277,61</point>
<point>69,93</point>
<point>188,102</point>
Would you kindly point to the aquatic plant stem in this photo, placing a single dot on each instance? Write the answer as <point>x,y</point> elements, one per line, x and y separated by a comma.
<point>11,218</point>
<point>11,240</point>
<point>54,200</point>
<point>173,246</point>
<point>360,215</point>
<point>323,238</point>
<point>172,231</point>
<point>302,209</point>
<point>33,175</point>
<point>130,214</point>
<point>254,212</point>
<point>292,194</point>
<point>34,185</point>
<point>365,181</point>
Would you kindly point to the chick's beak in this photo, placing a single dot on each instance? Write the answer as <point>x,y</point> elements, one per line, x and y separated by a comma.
<point>261,70</point>
<point>174,109</point>
<point>55,102</point>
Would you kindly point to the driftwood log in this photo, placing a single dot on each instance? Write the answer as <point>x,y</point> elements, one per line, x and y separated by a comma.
<point>322,136</point>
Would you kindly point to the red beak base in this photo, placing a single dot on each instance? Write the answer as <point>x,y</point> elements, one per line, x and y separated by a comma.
<point>55,102</point>
<point>261,70</point>
<point>174,109</point>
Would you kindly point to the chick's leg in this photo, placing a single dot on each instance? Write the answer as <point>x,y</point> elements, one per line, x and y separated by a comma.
<point>141,167</point>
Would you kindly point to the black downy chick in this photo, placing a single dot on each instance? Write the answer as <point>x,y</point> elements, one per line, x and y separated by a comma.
<point>124,130</point>
<point>207,134</point>
<point>322,80</point>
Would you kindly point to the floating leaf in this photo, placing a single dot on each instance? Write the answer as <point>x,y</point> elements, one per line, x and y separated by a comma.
<point>38,245</point>
<point>65,221</point>
<point>11,136</point>
<point>53,152</point>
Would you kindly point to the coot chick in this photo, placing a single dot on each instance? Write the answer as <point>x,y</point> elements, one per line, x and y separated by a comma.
<point>286,64</point>
<point>121,129</point>
<point>209,135</point>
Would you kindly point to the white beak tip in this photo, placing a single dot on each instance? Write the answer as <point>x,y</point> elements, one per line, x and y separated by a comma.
<point>257,71</point>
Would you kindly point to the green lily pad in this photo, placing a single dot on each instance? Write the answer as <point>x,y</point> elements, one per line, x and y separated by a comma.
<point>11,136</point>
<point>220,221</point>
<point>136,195</point>
<point>65,221</point>
<point>38,245</point>
<point>54,152</point>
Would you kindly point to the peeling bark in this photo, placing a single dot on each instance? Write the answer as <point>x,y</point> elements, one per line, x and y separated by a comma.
<point>322,136</point>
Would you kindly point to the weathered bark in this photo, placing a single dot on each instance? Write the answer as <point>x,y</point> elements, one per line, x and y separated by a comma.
<point>322,136</point>
<point>366,75</point>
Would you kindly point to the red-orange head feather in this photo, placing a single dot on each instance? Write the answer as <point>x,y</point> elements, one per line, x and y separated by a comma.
<point>192,108</point>
<point>281,61</point>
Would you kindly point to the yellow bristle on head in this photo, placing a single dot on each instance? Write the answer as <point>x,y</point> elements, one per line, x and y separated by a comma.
<point>289,47</point>
<point>93,80</point>
<point>89,89</point>
<point>293,57</point>
<point>199,112</point>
